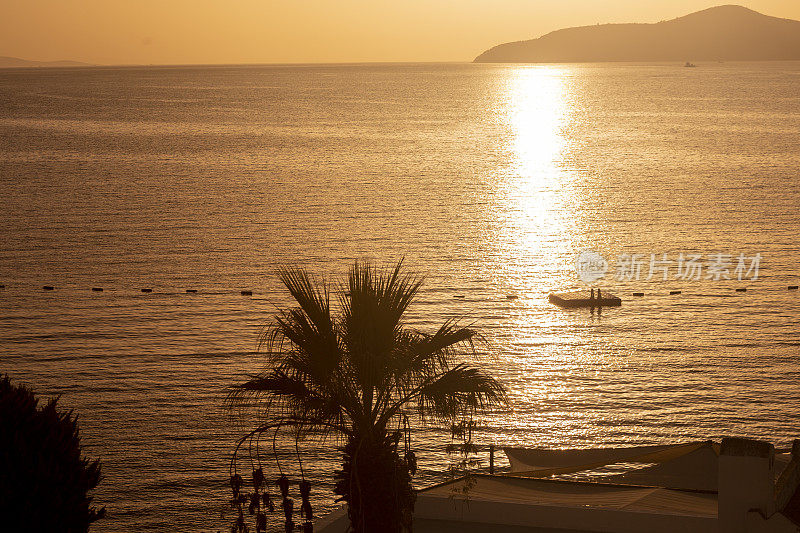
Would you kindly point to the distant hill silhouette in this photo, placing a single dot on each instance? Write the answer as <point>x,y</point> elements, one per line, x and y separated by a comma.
<point>14,62</point>
<point>723,33</point>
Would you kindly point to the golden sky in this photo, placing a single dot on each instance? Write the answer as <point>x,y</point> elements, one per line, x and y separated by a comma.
<point>286,31</point>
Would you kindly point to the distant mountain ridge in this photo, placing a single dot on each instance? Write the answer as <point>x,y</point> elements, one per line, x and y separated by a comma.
<point>15,62</point>
<point>722,33</point>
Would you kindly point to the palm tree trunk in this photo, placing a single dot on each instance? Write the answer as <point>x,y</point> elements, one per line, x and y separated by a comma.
<point>376,485</point>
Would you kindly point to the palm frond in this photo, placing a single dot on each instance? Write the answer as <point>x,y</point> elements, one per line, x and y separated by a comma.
<point>317,352</point>
<point>372,322</point>
<point>289,395</point>
<point>309,329</point>
<point>314,301</point>
<point>426,354</point>
<point>460,390</point>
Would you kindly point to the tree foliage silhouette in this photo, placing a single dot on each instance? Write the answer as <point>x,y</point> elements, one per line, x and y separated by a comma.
<point>44,481</point>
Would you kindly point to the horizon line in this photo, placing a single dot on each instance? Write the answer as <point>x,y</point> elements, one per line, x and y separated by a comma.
<point>322,63</point>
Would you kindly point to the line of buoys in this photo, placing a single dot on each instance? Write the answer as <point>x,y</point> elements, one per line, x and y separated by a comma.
<point>740,289</point>
<point>146,290</point>
<point>458,296</point>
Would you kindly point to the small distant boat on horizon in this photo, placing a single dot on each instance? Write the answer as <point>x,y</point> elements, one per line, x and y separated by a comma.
<point>689,64</point>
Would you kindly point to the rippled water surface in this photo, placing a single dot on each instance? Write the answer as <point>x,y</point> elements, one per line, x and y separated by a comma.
<point>488,179</point>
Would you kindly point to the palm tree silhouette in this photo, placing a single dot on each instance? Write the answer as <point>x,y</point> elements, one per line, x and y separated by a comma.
<point>360,373</point>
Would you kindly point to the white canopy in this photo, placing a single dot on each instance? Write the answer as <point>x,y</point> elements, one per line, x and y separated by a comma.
<point>692,466</point>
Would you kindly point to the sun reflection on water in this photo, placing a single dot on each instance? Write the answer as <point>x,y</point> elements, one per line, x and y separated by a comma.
<point>536,113</point>
<point>540,228</point>
<point>537,194</point>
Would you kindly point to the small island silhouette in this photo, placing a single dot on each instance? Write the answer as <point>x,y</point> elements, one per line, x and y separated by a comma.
<point>16,62</point>
<point>722,33</point>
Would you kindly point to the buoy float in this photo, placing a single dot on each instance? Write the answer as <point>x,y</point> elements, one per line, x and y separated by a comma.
<point>97,289</point>
<point>741,290</point>
<point>48,288</point>
<point>191,290</point>
<point>147,290</point>
<point>674,292</point>
<point>638,294</point>
<point>247,293</point>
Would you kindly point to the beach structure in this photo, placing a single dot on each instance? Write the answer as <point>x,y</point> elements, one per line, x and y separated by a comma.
<point>736,486</point>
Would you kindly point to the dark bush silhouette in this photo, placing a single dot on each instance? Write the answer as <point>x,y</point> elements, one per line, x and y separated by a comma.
<point>44,481</point>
